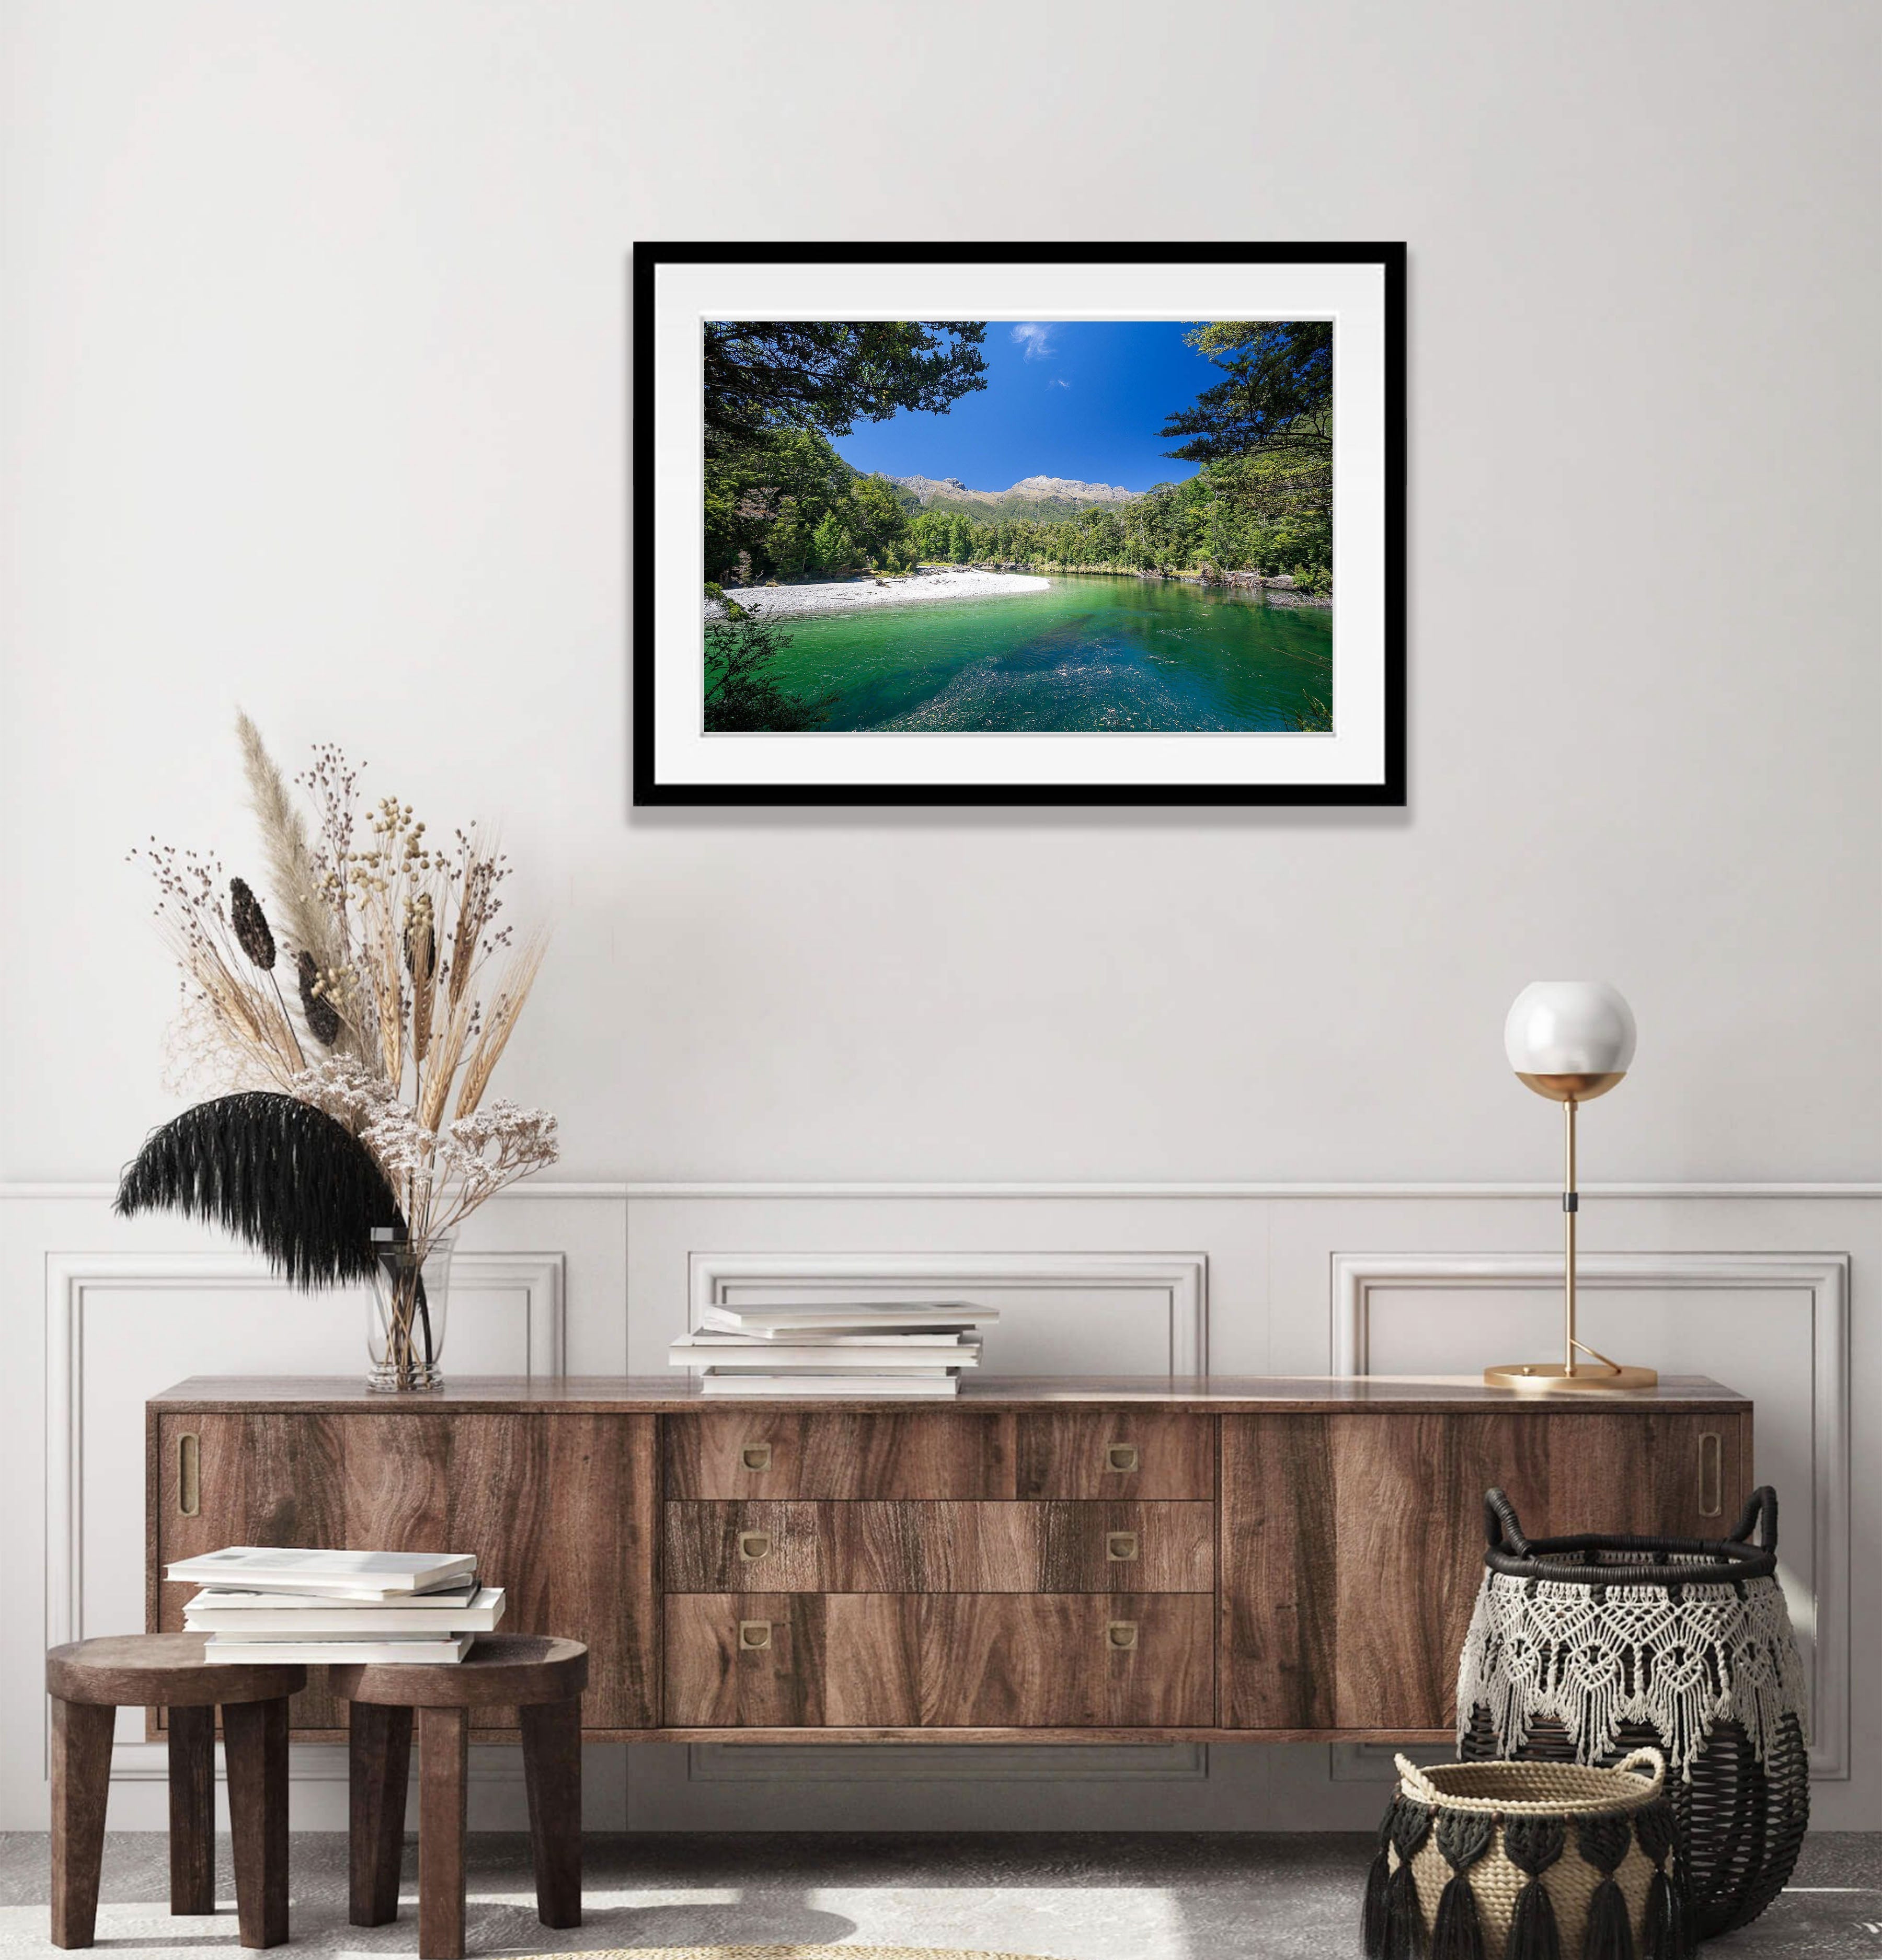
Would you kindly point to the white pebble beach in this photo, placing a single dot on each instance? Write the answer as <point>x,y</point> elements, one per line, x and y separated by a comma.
<point>798,602</point>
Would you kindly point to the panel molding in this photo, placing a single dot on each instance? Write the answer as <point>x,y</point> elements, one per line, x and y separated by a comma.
<point>1183,1277</point>
<point>29,1189</point>
<point>1822,1276</point>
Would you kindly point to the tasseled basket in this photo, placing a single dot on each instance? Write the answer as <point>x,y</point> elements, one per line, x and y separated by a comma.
<point>1529,1861</point>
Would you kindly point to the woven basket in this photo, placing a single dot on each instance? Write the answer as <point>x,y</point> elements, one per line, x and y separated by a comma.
<point>1583,1647</point>
<point>1528,1861</point>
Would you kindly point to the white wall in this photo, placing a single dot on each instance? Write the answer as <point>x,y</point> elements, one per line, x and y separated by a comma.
<point>312,347</point>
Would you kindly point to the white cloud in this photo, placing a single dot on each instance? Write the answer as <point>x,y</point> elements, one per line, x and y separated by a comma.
<point>1035,336</point>
<point>1059,381</point>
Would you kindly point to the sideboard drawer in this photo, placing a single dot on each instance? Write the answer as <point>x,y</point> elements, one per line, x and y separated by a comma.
<point>1068,1661</point>
<point>1114,1452</point>
<point>861,1546</point>
<point>941,1660</point>
<point>839,1452</point>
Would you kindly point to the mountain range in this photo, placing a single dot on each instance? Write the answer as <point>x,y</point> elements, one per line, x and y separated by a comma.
<point>1043,498</point>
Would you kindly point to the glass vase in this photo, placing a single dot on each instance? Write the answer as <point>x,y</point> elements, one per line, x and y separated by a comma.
<point>405,1318</point>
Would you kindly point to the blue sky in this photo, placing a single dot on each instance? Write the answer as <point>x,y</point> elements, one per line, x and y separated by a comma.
<point>1081,399</point>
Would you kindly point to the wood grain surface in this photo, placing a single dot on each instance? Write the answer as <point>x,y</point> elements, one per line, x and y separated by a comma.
<point>938,1660</point>
<point>861,1546</point>
<point>840,1452</point>
<point>255,1759</point>
<point>561,1509</point>
<point>1351,1546</point>
<point>191,1810</point>
<point>378,1767</point>
<point>81,1781</point>
<point>792,1660</point>
<point>265,1479</point>
<point>551,1776</point>
<point>444,1789</point>
<point>1002,1660</point>
<point>1276,1608</point>
<point>916,1570</point>
<point>1069,1453</point>
<point>1215,1395</point>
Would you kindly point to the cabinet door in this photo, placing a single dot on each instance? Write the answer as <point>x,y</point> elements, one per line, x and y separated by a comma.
<point>1352,1546</point>
<point>274,1480</point>
<point>560,1509</point>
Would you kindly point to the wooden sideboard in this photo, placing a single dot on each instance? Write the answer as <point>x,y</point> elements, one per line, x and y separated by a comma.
<point>1134,1559</point>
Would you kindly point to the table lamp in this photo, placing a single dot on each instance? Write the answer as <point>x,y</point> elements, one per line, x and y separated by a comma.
<point>1572,1041</point>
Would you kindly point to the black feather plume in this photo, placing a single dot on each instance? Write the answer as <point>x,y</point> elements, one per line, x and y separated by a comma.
<point>276,1172</point>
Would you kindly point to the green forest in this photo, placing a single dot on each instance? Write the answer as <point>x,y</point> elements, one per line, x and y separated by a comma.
<point>781,504</point>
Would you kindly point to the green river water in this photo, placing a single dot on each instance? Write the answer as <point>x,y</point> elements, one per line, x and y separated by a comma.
<point>1094,652</point>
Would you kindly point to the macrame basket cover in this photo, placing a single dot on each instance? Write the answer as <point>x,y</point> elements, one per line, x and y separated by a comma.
<point>1529,1861</point>
<point>1581,1648</point>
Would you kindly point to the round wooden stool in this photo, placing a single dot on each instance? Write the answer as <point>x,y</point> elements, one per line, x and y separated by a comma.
<point>89,1682</point>
<point>542,1678</point>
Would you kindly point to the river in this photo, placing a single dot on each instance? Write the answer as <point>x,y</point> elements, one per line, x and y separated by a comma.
<point>1094,652</point>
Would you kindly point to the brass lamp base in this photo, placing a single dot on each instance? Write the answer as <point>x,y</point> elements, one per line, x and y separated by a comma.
<point>1551,1378</point>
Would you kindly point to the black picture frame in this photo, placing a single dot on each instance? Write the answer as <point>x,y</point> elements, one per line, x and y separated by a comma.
<point>650,790</point>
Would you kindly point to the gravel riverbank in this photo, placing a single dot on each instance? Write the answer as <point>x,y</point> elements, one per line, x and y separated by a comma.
<point>799,602</point>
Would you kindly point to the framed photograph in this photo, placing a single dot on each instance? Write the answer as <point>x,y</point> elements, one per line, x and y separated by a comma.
<point>1131,531</point>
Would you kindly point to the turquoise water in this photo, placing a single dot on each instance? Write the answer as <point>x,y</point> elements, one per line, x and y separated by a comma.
<point>1093,652</point>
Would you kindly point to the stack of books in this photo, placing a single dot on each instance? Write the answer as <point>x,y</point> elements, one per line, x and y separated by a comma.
<point>896,1349</point>
<point>265,1603</point>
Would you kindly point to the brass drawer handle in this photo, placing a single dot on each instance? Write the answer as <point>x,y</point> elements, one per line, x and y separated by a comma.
<point>754,1546</point>
<point>1121,1546</point>
<point>1121,1456</point>
<point>1121,1634</point>
<point>753,1634</point>
<point>188,1474</point>
<point>756,1456</point>
<point>1711,1474</point>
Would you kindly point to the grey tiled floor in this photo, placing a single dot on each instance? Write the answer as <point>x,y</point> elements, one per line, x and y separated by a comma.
<point>1066,1897</point>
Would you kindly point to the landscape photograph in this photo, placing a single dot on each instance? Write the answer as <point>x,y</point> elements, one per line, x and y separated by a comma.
<point>1018,526</point>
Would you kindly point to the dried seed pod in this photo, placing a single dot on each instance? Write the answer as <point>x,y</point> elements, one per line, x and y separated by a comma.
<point>251,925</point>
<point>324,1020</point>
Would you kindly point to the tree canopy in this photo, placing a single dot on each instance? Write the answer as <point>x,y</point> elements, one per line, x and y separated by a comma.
<point>1279,395</point>
<point>827,375</point>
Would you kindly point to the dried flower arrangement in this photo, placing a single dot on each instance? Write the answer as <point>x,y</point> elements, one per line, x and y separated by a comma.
<point>394,1032</point>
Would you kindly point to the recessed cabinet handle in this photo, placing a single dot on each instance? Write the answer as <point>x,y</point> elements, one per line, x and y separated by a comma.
<point>756,1456</point>
<point>1121,1546</point>
<point>188,1474</point>
<point>754,1545</point>
<point>753,1634</point>
<point>1121,1634</point>
<point>1121,1456</point>
<point>1711,1474</point>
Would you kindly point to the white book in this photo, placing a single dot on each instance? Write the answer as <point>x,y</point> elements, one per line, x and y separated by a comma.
<point>862,1385</point>
<point>476,1609</point>
<point>879,1357</point>
<point>948,1337</point>
<point>354,1575</point>
<point>225,1652</point>
<point>951,1317</point>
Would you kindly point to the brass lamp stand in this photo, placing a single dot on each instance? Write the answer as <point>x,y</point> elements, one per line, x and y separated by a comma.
<point>1554,1021</point>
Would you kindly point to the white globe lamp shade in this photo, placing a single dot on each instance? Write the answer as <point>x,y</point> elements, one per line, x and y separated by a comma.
<point>1571,1040</point>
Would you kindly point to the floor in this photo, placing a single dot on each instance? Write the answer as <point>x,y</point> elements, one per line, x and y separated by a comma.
<point>1067,1897</point>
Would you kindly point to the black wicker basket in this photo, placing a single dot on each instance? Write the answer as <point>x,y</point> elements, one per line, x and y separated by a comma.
<point>1584,1648</point>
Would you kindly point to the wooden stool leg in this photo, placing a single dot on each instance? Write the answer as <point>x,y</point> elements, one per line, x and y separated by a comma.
<point>444,1769</point>
<point>192,1809</point>
<point>379,1759</point>
<point>551,1770</point>
<point>81,1778</point>
<point>255,1748</point>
